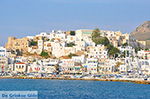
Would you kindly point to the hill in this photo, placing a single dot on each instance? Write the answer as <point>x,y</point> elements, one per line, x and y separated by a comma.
<point>142,32</point>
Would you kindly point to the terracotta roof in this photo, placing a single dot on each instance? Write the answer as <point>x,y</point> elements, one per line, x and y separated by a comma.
<point>64,57</point>
<point>20,63</point>
<point>147,51</point>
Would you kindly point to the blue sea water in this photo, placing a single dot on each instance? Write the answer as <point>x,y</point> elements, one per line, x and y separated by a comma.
<point>76,89</point>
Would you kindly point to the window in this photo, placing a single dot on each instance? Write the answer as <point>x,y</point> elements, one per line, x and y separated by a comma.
<point>2,50</point>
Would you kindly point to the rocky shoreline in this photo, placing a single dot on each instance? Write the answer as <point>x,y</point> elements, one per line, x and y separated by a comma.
<point>92,79</point>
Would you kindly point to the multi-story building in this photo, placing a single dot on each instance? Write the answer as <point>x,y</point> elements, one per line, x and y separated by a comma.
<point>20,67</point>
<point>67,66</point>
<point>80,34</point>
<point>127,50</point>
<point>144,54</point>
<point>3,64</point>
<point>145,66</point>
<point>106,66</point>
<point>3,52</point>
<point>79,59</point>
<point>34,68</point>
<point>98,51</point>
<point>47,46</point>
<point>59,49</point>
<point>91,65</point>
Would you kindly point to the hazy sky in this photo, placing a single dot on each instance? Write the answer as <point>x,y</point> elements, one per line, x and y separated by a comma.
<point>29,17</point>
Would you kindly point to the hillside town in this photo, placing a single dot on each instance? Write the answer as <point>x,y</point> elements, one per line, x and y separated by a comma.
<point>81,53</point>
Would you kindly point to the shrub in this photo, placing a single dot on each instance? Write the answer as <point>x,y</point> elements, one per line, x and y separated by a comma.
<point>72,32</point>
<point>70,55</point>
<point>70,44</point>
<point>44,54</point>
<point>33,43</point>
<point>97,39</point>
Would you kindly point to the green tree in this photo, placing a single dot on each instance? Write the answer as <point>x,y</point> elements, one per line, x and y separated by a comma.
<point>33,43</point>
<point>96,33</point>
<point>137,49</point>
<point>70,44</point>
<point>72,32</point>
<point>147,49</point>
<point>70,55</point>
<point>112,50</point>
<point>109,46</point>
<point>125,44</point>
<point>44,54</point>
<point>97,39</point>
<point>104,41</point>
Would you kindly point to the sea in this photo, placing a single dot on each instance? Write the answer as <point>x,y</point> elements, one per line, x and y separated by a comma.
<point>77,89</point>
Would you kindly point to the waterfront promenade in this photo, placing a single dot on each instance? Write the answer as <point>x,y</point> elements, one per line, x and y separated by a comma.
<point>138,81</point>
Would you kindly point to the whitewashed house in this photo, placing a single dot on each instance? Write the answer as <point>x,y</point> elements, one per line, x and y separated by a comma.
<point>67,66</point>
<point>3,64</point>
<point>80,45</point>
<point>71,38</point>
<point>3,52</point>
<point>107,66</point>
<point>145,66</point>
<point>144,54</point>
<point>91,65</point>
<point>20,67</point>
<point>47,46</point>
<point>98,51</point>
<point>128,50</point>
<point>80,59</point>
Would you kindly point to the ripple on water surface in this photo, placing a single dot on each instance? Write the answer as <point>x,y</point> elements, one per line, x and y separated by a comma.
<point>76,89</point>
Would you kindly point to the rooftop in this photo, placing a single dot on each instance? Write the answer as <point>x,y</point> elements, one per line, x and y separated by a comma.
<point>20,63</point>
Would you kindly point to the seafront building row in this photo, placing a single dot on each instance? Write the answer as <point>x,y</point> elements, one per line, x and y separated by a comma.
<point>73,53</point>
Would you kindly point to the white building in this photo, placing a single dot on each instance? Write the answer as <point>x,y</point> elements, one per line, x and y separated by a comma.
<point>145,66</point>
<point>3,52</point>
<point>59,49</point>
<point>60,35</point>
<point>91,65</point>
<point>34,68</point>
<point>128,50</point>
<point>107,66</point>
<point>98,51</point>
<point>83,33</point>
<point>123,68</point>
<point>71,38</point>
<point>67,66</point>
<point>3,64</point>
<point>20,67</point>
<point>80,59</point>
<point>80,45</point>
<point>144,54</point>
<point>50,62</point>
<point>47,46</point>
<point>42,34</point>
<point>49,65</point>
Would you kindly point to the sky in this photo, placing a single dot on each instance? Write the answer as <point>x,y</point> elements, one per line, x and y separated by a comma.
<point>21,18</point>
